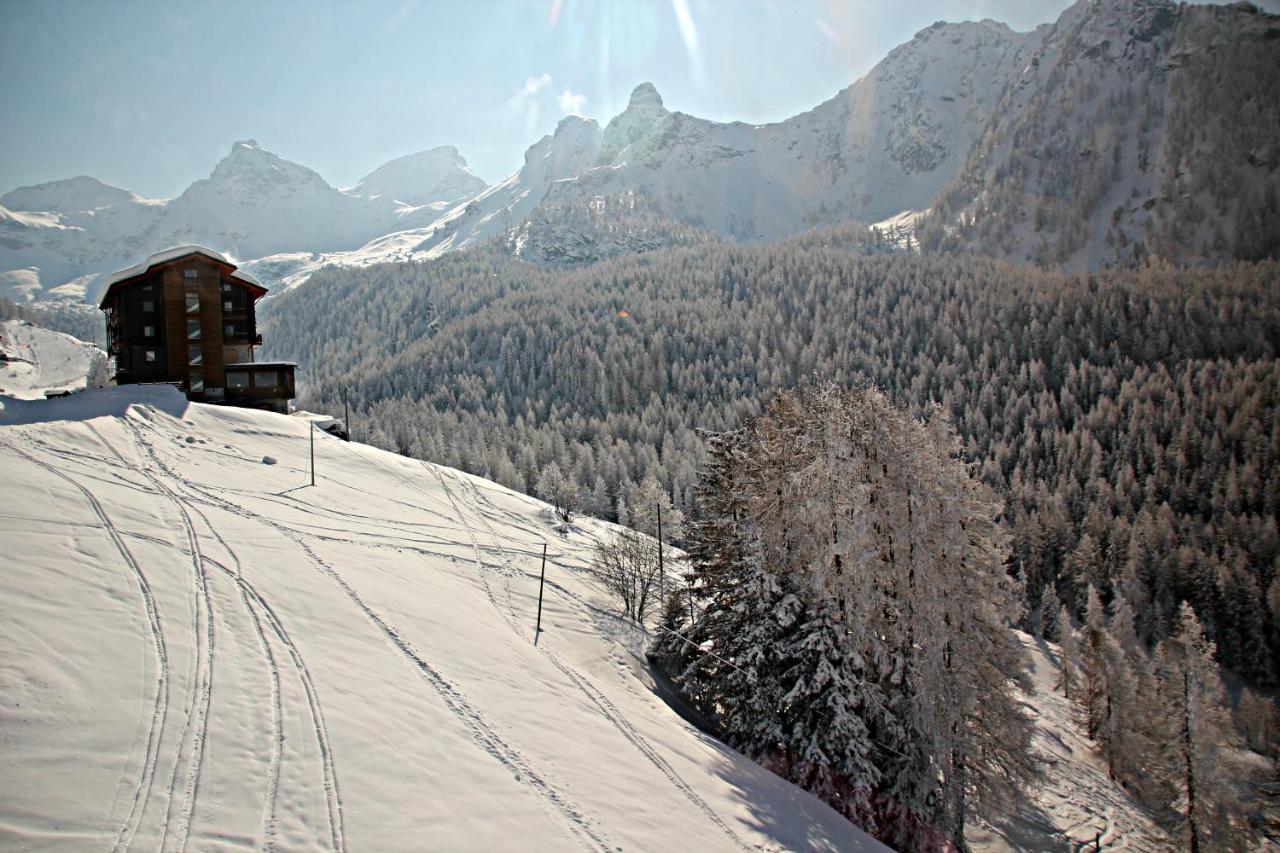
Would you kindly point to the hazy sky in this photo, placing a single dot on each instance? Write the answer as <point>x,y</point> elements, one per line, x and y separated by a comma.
<point>150,95</point>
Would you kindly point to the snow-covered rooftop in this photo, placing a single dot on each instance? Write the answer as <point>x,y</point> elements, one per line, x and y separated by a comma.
<point>173,254</point>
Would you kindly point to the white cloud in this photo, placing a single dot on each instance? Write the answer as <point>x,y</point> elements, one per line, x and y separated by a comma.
<point>531,87</point>
<point>537,97</point>
<point>571,102</point>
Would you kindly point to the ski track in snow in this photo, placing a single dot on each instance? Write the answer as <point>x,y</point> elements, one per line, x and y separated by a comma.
<point>480,729</point>
<point>268,825</point>
<point>602,703</point>
<point>330,784</point>
<point>202,696</point>
<point>155,731</point>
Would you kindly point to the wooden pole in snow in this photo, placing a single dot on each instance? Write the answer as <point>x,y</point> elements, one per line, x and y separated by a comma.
<point>311,432</point>
<point>541,582</point>
<point>346,415</point>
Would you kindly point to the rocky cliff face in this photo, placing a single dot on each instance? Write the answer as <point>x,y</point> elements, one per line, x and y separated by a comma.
<point>1138,128</point>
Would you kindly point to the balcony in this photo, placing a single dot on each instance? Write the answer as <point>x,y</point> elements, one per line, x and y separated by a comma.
<point>260,384</point>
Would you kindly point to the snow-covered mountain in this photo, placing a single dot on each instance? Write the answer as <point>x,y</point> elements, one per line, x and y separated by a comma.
<point>56,238</point>
<point>435,176</point>
<point>887,143</point>
<point>1127,127</point>
<point>569,151</point>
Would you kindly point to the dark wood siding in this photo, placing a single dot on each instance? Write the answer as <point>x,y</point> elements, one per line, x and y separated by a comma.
<point>139,328</point>
<point>193,318</point>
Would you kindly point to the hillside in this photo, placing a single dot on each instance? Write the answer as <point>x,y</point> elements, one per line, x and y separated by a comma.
<point>1127,418</point>
<point>34,360</point>
<point>242,659</point>
<point>1138,128</point>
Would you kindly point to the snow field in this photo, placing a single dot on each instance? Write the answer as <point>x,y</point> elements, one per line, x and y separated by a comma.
<point>36,360</point>
<point>200,651</point>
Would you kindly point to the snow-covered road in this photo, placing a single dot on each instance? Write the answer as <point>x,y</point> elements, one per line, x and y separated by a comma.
<point>199,650</point>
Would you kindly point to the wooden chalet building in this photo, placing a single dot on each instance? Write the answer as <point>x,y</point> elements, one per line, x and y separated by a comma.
<point>185,316</point>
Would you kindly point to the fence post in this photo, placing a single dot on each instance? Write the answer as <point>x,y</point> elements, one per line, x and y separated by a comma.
<point>346,415</point>
<point>311,432</point>
<point>541,581</point>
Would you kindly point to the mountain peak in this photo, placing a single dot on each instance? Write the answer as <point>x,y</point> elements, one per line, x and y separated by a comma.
<point>70,194</point>
<point>246,144</point>
<point>645,96</point>
<point>436,174</point>
<point>633,134</point>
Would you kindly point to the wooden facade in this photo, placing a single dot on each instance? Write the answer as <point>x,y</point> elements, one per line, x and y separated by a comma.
<point>186,316</point>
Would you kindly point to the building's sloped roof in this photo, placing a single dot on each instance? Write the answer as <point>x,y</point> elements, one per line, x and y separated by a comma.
<point>172,255</point>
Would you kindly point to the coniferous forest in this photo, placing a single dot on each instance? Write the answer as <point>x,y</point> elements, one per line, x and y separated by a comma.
<point>1128,419</point>
<point>1124,421</point>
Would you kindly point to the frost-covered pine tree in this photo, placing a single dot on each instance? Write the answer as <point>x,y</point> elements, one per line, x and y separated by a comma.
<point>1069,659</point>
<point>1192,690</point>
<point>1048,621</point>
<point>642,502</point>
<point>843,543</point>
<point>558,491</point>
<point>825,711</point>
<point>1093,697</point>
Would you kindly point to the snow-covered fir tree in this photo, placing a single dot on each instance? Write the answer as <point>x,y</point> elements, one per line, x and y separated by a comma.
<point>843,544</point>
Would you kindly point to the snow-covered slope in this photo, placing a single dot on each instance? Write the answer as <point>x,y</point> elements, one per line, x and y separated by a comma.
<point>432,176</point>
<point>569,151</point>
<point>35,360</point>
<point>200,650</point>
<point>1074,803</point>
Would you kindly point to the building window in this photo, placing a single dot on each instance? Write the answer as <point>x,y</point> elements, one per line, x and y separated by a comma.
<point>195,355</point>
<point>151,355</point>
<point>189,274</point>
<point>197,381</point>
<point>265,379</point>
<point>193,330</point>
<point>212,393</point>
<point>148,305</point>
<point>148,331</point>
<point>226,306</point>
<point>226,288</point>
<point>237,379</point>
<point>193,303</point>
